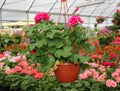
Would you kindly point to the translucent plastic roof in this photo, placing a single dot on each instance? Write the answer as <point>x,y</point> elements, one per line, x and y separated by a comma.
<point>25,10</point>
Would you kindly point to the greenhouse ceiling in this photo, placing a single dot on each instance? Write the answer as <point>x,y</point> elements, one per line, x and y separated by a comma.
<point>25,10</point>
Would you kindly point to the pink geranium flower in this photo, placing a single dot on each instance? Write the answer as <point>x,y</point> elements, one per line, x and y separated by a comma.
<point>17,69</point>
<point>24,71</point>
<point>74,20</point>
<point>118,11</point>
<point>1,65</point>
<point>83,76</point>
<point>41,16</point>
<point>8,70</point>
<point>38,75</point>
<point>111,83</point>
<point>33,72</point>
<point>23,63</point>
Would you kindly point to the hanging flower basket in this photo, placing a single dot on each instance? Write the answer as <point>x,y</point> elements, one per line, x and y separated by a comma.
<point>63,0</point>
<point>67,72</point>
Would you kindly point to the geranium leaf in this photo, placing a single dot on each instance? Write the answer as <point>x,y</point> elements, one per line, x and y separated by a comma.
<point>41,43</point>
<point>58,53</point>
<point>66,51</point>
<point>31,46</point>
<point>84,59</point>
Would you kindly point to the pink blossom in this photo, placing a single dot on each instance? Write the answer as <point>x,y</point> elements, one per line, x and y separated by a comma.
<point>82,53</point>
<point>17,69</point>
<point>13,59</point>
<point>38,75</point>
<point>24,71</point>
<point>32,72</point>
<point>117,40</point>
<point>102,68</point>
<point>93,65</point>
<point>8,70</point>
<point>23,63</point>
<point>95,75</point>
<point>117,79</point>
<point>74,20</point>
<point>83,76</point>
<point>32,65</point>
<point>1,65</point>
<point>118,11</point>
<point>29,68</point>
<point>101,78</point>
<point>88,72</point>
<point>115,74</point>
<point>23,58</point>
<point>117,70</point>
<point>17,58</point>
<point>77,8</point>
<point>6,53</point>
<point>111,83</point>
<point>103,30</point>
<point>3,58</point>
<point>41,16</point>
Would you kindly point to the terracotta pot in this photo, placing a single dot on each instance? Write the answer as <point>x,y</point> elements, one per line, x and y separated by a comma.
<point>67,72</point>
<point>63,0</point>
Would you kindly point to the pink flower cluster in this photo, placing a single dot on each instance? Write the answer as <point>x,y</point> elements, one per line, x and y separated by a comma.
<point>105,32</point>
<point>4,55</point>
<point>111,83</point>
<point>117,40</point>
<point>74,20</point>
<point>116,75</point>
<point>92,72</point>
<point>118,11</point>
<point>41,16</point>
<point>99,73</point>
<point>23,67</point>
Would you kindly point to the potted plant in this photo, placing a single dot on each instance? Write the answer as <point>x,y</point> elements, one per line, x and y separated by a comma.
<point>100,19</point>
<point>116,18</point>
<point>51,43</point>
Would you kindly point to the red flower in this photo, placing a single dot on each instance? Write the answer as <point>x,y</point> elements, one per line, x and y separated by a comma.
<point>94,56</point>
<point>33,51</point>
<point>111,64</point>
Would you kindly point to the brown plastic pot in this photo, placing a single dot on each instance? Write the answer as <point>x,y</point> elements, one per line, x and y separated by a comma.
<point>67,72</point>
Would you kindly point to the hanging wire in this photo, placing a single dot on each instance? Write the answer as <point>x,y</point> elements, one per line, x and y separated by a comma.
<point>60,12</point>
<point>1,12</point>
<point>52,6</point>
<point>27,12</point>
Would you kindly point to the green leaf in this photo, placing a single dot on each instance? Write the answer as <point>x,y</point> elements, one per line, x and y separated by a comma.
<point>58,53</point>
<point>78,84</point>
<point>41,43</point>
<point>84,59</point>
<point>66,84</point>
<point>75,58</point>
<point>67,51</point>
<point>31,46</point>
